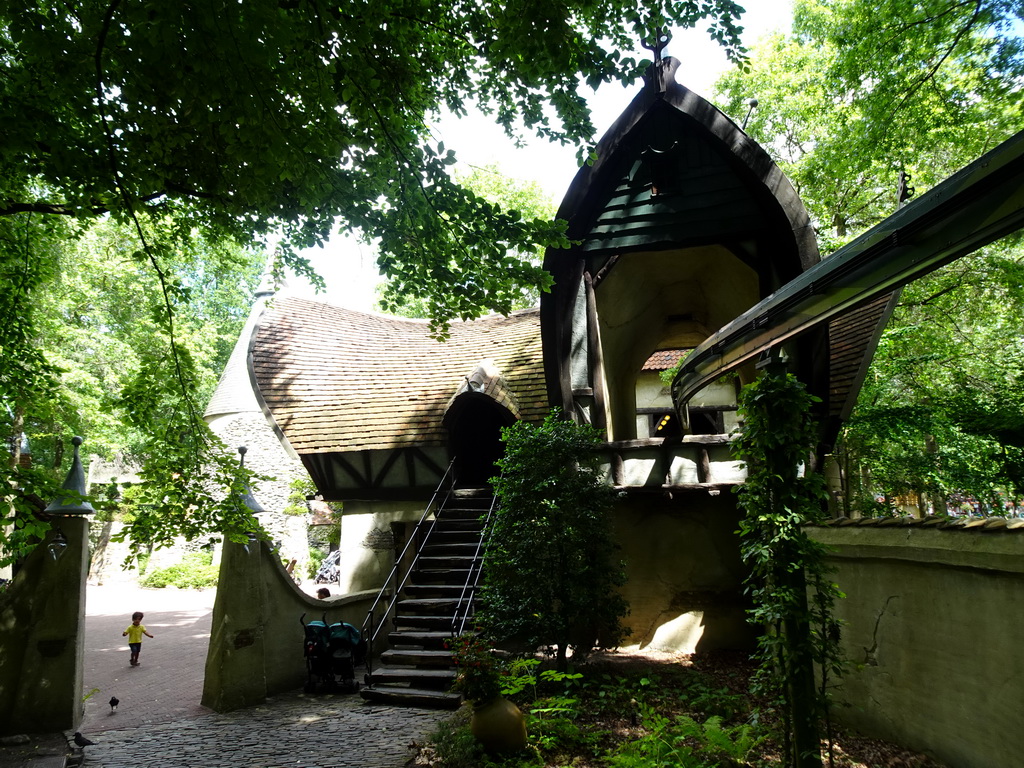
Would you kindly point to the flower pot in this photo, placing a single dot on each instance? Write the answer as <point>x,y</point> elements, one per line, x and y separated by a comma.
<point>499,726</point>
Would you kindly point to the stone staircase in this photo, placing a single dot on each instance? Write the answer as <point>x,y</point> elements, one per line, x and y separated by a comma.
<point>417,670</point>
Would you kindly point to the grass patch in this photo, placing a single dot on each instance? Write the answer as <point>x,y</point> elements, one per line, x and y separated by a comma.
<point>195,571</point>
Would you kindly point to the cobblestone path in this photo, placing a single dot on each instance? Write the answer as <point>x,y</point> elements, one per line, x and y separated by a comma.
<point>294,730</point>
<point>160,723</point>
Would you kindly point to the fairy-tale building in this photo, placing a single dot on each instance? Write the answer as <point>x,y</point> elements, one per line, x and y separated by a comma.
<point>681,224</point>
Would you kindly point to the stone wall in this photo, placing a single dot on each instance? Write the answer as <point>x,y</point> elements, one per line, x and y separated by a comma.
<point>42,637</point>
<point>684,571</point>
<point>266,456</point>
<point>108,557</point>
<point>933,628</point>
<point>256,636</point>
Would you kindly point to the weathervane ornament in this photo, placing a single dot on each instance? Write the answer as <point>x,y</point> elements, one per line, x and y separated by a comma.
<point>656,71</point>
<point>661,39</point>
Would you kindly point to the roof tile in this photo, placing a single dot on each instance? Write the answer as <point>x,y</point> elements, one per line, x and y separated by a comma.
<point>340,380</point>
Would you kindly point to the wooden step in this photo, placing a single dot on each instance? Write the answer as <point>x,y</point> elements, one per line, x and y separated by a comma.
<point>438,623</point>
<point>448,549</point>
<point>431,606</point>
<point>440,576</point>
<point>432,678</point>
<point>455,531</point>
<point>456,525</point>
<point>438,591</point>
<point>448,562</point>
<point>460,513</point>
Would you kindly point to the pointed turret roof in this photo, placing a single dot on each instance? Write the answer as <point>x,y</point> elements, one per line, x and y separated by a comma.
<point>234,392</point>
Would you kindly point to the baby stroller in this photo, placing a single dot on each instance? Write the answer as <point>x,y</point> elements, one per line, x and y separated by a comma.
<point>330,570</point>
<point>332,653</point>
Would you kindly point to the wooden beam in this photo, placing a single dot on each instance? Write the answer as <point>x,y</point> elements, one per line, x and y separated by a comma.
<point>980,204</point>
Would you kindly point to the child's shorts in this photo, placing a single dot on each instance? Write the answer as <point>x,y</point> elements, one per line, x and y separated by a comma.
<point>136,647</point>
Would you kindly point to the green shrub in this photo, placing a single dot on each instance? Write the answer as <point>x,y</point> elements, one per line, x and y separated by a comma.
<point>551,571</point>
<point>128,505</point>
<point>682,742</point>
<point>195,571</point>
<point>316,557</point>
<point>300,489</point>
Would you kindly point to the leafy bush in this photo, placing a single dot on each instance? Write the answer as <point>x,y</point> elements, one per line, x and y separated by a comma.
<point>299,490</point>
<point>677,718</point>
<point>195,571</point>
<point>316,558</point>
<point>683,742</point>
<point>477,669</point>
<point>550,568</point>
<point>128,505</point>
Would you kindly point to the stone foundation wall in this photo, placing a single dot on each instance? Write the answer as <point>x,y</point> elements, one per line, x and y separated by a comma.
<point>256,637</point>
<point>933,628</point>
<point>684,572</point>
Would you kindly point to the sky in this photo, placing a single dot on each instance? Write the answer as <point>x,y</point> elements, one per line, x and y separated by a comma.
<point>349,268</point>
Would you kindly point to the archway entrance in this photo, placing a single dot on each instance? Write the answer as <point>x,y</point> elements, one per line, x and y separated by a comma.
<point>474,422</point>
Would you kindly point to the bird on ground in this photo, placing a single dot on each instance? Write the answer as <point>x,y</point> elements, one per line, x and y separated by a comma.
<point>81,741</point>
<point>114,701</point>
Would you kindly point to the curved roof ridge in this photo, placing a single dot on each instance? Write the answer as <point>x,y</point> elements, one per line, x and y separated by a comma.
<point>484,380</point>
<point>661,88</point>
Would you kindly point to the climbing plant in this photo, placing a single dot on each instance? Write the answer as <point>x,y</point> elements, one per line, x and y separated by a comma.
<point>788,582</point>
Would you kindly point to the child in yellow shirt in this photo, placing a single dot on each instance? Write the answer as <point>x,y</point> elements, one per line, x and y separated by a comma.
<point>134,634</point>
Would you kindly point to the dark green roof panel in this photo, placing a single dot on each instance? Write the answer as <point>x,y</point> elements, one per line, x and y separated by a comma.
<point>699,199</point>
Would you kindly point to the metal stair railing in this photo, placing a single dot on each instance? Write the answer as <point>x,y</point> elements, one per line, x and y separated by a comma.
<point>371,626</point>
<point>467,598</point>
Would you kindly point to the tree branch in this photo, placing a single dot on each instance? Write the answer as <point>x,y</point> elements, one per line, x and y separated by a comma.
<point>11,208</point>
<point>194,415</point>
<point>930,74</point>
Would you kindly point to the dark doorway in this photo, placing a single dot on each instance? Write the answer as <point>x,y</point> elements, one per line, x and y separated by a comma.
<point>474,424</point>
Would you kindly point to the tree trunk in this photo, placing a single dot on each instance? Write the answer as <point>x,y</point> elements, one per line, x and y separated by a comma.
<point>806,743</point>
<point>561,659</point>
<point>17,426</point>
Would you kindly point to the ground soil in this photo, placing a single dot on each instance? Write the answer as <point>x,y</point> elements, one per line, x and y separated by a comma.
<point>733,671</point>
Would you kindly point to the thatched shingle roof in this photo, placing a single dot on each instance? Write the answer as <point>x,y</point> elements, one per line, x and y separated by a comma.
<point>337,380</point>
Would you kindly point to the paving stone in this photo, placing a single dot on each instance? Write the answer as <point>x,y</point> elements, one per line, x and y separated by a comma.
<point>160,723</point>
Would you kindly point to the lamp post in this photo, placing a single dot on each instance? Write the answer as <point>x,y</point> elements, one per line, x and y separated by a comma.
<point>57,544</point>
<point>248,500</point>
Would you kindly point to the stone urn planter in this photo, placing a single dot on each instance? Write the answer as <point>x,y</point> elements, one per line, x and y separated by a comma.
<point>499,726</point>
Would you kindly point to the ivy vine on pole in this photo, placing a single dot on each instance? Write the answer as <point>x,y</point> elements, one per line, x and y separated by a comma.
<point>791,593</point>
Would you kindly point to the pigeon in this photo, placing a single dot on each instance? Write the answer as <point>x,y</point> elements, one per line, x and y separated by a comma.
<point>113,704</point>
<point>81,741</point>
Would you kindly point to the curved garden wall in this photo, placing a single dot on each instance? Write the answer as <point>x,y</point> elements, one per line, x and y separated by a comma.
<point>932,629</point>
